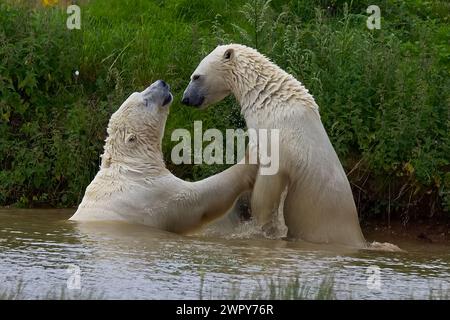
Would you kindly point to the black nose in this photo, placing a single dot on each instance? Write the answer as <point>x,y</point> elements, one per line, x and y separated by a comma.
<point>185,101</point>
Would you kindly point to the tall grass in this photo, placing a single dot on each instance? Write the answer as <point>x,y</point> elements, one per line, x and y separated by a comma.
<point>19,293</point>
<point>383,94</point>
<point>267,288</point>
<point>275,288</point>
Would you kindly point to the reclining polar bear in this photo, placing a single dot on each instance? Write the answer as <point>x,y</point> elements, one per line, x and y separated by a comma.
<point>134,185</point>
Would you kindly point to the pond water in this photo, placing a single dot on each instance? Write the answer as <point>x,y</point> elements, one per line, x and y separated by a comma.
<point>42,255</point>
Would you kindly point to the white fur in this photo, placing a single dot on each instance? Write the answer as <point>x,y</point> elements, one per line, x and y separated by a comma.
<point>319,206</point>
<point>134,185</point>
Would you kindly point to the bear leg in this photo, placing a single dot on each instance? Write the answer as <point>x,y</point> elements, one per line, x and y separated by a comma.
<point>266,198</point>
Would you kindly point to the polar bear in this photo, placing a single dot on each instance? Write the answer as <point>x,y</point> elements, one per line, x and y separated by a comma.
<point>319,205</point>
<point>134,185</point>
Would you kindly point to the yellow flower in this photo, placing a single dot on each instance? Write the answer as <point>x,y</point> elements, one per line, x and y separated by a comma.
<point>409,168</point>
<point>49,2</point>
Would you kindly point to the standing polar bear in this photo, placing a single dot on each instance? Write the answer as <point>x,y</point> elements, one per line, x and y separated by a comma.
<point>319,205</point>
<point>134,185</point>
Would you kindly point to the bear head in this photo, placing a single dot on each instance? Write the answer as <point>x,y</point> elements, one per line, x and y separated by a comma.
<point>136,129</point>
<point>211,82</point>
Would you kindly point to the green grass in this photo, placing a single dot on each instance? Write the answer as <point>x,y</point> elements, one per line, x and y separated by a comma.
<point>272,289</point>
<point>383,94</point>
<point>275,288</point>
<point>61,293</point>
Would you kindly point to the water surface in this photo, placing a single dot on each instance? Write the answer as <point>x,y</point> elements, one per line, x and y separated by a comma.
<point>40,251</point>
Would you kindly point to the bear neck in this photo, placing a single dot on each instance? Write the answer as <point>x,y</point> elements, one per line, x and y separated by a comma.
<point>257,82</point>
<point>148,162</point>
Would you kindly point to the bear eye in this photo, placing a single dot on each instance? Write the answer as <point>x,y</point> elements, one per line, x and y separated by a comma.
<point>131,138</point>
<point>196,77</point>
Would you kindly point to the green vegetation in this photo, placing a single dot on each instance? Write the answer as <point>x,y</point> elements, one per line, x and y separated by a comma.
<point>277,288</point>
<point>18,293</point>
<point>384,94</point>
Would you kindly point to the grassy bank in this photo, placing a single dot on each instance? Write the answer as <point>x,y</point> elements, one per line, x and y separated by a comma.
<point>384,94</point>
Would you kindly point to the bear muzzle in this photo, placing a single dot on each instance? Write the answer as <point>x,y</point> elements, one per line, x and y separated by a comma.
<point>193,100</point>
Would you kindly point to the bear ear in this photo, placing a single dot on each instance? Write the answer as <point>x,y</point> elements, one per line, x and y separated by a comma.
<point>229,54</point>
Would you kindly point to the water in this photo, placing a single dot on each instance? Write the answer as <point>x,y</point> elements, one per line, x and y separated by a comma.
<point>40,252</point>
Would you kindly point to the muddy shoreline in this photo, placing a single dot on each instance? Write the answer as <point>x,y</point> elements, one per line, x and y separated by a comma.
<point>420,231</point>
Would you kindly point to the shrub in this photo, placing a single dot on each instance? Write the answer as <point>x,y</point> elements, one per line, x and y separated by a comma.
<point>383,94</point>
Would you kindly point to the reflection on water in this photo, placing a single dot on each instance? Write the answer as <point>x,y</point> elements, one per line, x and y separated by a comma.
<point>135,262</point>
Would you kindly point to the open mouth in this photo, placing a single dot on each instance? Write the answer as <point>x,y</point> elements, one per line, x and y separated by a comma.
<point>168,99</point>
